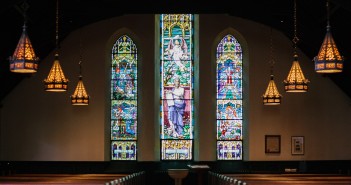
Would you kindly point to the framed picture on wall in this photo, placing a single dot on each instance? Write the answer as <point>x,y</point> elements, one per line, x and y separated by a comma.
<point>297,145</point>
<point>272,143</point>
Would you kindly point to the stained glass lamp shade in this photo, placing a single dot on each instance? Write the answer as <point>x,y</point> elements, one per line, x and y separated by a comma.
<point>271,96</point>
<point>24,59</point>
<point>80,95</point>
<point>56,80</point>
<point>296,81</point>
<point>328,59</point>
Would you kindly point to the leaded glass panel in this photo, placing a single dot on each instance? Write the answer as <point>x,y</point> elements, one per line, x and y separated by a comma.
<point>229,99</point>
<point>124,107</point>
<point>176,74</point>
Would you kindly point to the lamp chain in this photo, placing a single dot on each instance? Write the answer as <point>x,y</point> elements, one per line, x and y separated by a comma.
<point>295,39</point>
<point>271,48</point>
<point>80,68</point>
<point>57,20</point>
<point>80,54</point>
<point>328,15</point>
<point>25,7</point>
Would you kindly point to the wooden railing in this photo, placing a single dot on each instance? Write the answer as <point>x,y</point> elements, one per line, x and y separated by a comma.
<point>220,179</point>
<point>132,179</point>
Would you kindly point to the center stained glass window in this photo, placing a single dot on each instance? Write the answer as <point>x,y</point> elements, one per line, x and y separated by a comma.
<point>176,88</point>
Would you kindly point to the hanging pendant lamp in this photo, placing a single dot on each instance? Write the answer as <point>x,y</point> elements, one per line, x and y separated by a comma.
<point>80,95</point>
<point>56,80</point>
<point>296,81</point>
<point>24,59</point>
<point>328,59</point>
<point>272,96</point>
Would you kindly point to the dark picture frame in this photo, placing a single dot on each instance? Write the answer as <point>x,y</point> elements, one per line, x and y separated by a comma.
<point>297,145</point>
<point>272,143</point>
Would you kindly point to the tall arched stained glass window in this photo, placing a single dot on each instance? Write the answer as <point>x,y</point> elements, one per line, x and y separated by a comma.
<point>229,99</point>
<point>124,100</point>
<point>176,86</point>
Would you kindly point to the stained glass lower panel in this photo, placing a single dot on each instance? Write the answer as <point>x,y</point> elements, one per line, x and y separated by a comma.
<point>229,109</point>
<point>123,150</point>
<point>176,149</point>
<point>229,129</point>
<point>124,109</point>
<point>229,150</point>
<point>124,89</point>
<point>122,129</point>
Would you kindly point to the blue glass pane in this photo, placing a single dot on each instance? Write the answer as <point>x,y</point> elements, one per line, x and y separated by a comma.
<point>229,129</point>
<point>124,109</point>
<point>123,150</point>
<point>229,109</point>
<point>228,72</point>
<point>229,150</point>
<point>124,129</point>
<point>233,92</point>
<point>125,71</point>
<point>124,89</point>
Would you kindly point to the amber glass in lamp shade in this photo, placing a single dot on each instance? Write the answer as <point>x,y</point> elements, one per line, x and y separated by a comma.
<point>296,81</point>
<point>271,96</point>
<point>56,80</point>
<point>24,59</point>
<point>80,96</point>
<point>328,59</point>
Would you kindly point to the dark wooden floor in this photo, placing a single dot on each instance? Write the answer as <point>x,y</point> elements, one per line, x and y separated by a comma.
<point>59,179</point>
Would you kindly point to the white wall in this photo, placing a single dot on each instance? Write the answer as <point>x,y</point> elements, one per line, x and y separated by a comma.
<point>44,126</point>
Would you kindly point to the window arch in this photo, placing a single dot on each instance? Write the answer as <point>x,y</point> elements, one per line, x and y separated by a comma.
<point>229,99</point>
<point>176,88</point>
<point>124,99</point>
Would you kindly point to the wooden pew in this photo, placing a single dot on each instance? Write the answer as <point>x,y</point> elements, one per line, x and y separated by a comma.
<point>58,179</point>
<point>221,179</point>
<point>301,179</point>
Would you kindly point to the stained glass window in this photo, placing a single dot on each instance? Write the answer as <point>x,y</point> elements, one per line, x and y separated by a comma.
<point>229,99</point>
<point>176,88</point>
<point>124,100</point>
